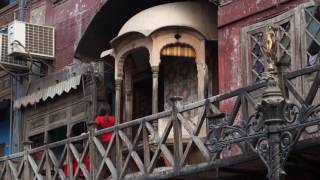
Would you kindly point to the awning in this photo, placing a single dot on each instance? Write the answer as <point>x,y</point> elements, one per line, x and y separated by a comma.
<point>49,92</point>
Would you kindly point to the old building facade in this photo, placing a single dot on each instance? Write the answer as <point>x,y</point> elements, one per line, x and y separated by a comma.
<point>134,56</point>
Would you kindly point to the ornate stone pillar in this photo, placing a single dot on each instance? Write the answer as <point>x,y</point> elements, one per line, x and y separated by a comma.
<point>118,84</point>
<point>155,79</point>
<point>202,75</point>
<point>118,147</point>
<point>128,95</point>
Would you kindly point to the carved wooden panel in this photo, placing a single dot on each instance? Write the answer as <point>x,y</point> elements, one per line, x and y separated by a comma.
<point>4,82</point>
<point>78,109</point>
<point>58,116</point>
<point>37,123</point>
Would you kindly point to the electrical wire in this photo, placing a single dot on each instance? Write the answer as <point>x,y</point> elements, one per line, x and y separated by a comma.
<point>29,58</point>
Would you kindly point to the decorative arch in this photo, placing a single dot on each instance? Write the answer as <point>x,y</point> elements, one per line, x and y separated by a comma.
<point>182,35</point>
<point>127,46</point>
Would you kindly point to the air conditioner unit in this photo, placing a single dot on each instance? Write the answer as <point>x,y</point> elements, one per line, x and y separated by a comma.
<point>9,62</point>
<point>27,39</point>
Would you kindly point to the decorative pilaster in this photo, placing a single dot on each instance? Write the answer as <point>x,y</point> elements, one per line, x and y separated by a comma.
<point>92,126</point>
<point>118,163</point>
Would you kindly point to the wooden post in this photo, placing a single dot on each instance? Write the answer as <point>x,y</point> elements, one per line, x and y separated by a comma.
<point>27,168</point>
<point>146,147</point>
<point>177,132</point>
<point>92,126</point>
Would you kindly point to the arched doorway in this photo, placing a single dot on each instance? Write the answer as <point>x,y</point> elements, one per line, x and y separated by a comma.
<point>137,85</point>
<point>178,74</point>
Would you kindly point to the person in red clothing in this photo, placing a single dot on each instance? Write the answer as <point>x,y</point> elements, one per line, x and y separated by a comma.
<point>86,163</point>
<point>104,120</point>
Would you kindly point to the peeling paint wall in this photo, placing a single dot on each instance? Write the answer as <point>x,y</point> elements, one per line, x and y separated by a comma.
<point>231,18</point>
<point>70,18</point>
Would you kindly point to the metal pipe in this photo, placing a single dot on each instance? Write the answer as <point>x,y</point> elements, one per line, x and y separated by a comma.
<point>21,10</point>
<point>11,115</point>
<point>17,113</point>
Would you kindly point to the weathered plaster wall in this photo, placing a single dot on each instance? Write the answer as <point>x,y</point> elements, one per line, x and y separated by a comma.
<point>70,18</point>
<point>180,81</point>
<point>231,18</point>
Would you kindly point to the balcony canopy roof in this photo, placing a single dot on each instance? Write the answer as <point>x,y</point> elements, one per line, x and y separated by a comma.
<point>194,15</point>
<point>113,19</point>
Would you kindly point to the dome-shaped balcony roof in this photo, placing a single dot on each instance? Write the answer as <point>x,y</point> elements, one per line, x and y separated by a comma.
<point>199,16</point>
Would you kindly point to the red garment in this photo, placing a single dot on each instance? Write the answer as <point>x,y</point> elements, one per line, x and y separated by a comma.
<point>105,122</point>
<point>86,163</point>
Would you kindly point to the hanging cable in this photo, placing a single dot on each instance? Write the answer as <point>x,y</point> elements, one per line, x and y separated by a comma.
<point>29,58</point>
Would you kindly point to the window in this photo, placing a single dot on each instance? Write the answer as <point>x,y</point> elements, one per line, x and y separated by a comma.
<point>254,38</point>
<point>4,3</point>
<point>56,1</point>
<point>56,135</point>
<point>298,45</point>
<point>37,140</point>
<point>312,19</point>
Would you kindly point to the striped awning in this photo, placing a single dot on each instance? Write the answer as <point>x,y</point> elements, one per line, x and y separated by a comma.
<point>178,50</point>
<point>49,92</point>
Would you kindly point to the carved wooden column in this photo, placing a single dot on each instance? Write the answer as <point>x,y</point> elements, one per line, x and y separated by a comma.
<point>92,126</point>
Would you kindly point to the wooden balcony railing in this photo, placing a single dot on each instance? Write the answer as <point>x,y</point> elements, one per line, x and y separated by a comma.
<point>149,154</point>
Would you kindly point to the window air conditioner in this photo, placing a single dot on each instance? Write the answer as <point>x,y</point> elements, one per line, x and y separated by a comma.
<point>6,61</point>
<point>25,38</point>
